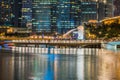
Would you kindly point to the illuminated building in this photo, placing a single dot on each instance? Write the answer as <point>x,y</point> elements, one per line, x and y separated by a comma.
<point>96,9</point>
<point>59,16</point>
<point>89,10</point>
<point>5,12</point>
<point>10,12</point>
<point>63,15</point>
<point>41,15</point>
<point>53,15</point>
<point>116,7</point>
<point>68,15</point>
<point>109,9</point>
<point>26,12</point>
<point>16,10</point>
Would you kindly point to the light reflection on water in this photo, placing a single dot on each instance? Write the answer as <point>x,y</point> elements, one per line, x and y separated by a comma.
<point>72,64</point>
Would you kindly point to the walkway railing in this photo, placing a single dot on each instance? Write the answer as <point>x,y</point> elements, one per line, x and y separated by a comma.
<point>57,41</point>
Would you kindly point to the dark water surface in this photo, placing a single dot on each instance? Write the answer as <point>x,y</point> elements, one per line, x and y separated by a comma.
<point>60,64</point>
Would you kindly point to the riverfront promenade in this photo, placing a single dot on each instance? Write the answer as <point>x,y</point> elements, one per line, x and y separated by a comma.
<point>72,43</point>
<point>58,42</point>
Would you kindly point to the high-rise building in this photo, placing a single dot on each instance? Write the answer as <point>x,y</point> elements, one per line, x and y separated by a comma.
<point>89,10</point>
<point>63,15</point>
<point>96,9</point>
<point>16,10</point>
<point>68,15</point>
<point>109,9</point>
<point>10,12</point>
<point>53,15</point>
<point>26,12</point>
<point>5,12</point>
<point>116,7</point>
<point>41,16</point>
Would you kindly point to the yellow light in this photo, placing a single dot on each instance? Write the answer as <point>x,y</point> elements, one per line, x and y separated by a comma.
<point>105,1</point>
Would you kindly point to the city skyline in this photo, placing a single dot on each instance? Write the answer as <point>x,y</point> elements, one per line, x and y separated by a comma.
<point>55,15</point>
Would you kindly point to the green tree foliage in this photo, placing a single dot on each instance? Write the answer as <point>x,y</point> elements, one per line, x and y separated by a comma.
<point>104,30</point>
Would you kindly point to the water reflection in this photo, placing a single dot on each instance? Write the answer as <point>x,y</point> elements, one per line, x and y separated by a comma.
<point>6,66</point>
<point>109,66</point>
<point>72,64</point>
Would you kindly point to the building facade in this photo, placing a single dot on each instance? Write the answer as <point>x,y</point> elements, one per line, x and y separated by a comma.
<point>26,17</point>
<point>16,10</point>
<point>63,15</point>
<point>54,15</point>
<point>88,10</point>
<point>68,15</point>
<point>96,9</point>
<point>116,7</point>
<point>10,12</point>
<point>109,9</point>
<point>41,15</point>
<point>5,12</point>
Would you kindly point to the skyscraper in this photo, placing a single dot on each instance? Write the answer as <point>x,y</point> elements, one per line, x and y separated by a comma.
<point>96,9</point>
<point>116,7</point>
<point>68,15</point>
<point>41,15</point>
<point>26,12</point>
<point>54,15</point>
<point>63,15</point>
<point>16,10</point>
<point>89,10</point>
<point>5,12</point>
<point>10,12</point>
<point>109,9</point>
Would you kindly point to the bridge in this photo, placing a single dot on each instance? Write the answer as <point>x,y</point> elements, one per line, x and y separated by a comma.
<point>75,43</point>
<point>64,43</point>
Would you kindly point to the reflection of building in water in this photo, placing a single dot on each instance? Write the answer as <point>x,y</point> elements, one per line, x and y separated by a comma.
<point>80,64</point>
<point>107,65</point>
<point>65,68</point>
<point>84,65</point>
<point>90,64</point>
<point>6,68</point>
<point>44,67</point>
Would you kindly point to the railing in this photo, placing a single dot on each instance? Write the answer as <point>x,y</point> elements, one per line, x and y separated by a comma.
<point>57,41</point>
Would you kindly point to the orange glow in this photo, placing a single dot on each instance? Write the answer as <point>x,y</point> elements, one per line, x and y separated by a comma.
<point>92,21</point>
<point>108,21</point>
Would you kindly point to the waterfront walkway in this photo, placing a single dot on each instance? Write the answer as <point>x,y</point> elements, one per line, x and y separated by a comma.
<point>59,42</point>
<point>53,42</point>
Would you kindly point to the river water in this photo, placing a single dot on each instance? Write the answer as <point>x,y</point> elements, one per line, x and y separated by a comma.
<point>27,63</point>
